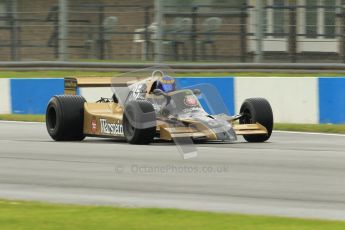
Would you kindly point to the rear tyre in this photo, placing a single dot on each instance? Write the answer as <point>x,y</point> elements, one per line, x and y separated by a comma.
<point>65,118</point>
<point>139,122</point>
<point>257,110</point>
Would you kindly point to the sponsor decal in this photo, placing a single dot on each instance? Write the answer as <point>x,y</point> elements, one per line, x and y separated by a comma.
<point>70,84</point>
<point>93,126</point>
<point>157,107</point>
<point>191,110</point>
<point>190,100</point>
<point>138,91</point>
<point>212,122</point>
<point>111,128</point>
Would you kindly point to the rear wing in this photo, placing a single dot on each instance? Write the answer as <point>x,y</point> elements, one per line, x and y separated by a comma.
<point>73,83</point>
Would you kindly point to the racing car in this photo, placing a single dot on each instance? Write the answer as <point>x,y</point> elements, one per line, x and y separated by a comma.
<point>144,110</point>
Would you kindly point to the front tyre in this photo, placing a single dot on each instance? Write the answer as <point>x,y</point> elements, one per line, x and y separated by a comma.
<point>65,118</point>
<point>257,110</point>
<point>139,122</point>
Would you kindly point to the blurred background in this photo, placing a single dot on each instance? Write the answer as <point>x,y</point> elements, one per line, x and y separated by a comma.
<point>173,30</point>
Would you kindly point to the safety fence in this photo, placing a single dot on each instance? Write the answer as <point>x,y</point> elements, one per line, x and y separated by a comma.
<point>291,31</point>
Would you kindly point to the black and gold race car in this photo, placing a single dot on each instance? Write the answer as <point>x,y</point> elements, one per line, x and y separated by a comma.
<point>142,110</point>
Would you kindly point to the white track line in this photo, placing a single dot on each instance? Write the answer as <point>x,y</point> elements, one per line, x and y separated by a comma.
<point>22,122</point>
<point>310,133</point>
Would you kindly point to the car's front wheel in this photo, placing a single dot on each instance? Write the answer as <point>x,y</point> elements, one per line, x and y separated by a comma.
<point>257,110</point>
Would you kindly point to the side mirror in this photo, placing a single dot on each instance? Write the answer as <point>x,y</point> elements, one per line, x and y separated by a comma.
<point>196,92</point>
<point>158,92</point>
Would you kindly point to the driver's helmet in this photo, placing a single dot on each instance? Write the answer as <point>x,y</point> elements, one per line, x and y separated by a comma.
<point>166,83</point>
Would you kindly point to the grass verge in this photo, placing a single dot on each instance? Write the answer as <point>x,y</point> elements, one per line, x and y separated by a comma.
<point>61,74</point>
<point>33,215</point>
<point>322,128</point>
<point>52,74</point>
<point>22,117</point>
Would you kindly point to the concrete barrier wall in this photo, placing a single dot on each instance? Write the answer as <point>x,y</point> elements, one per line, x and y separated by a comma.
<point>294,100</point>
<point>332,100</point>
<point>218,93</point>
<point>94,94</point>
<point>30,96</point>
<point>5,96</point>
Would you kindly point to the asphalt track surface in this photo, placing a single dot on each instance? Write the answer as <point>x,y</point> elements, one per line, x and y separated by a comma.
<point>295,174</point>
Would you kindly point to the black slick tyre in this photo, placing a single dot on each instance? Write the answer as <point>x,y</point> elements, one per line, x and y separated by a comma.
<point>65,118</point>
<point>139,122</point>
<point>257,110</point>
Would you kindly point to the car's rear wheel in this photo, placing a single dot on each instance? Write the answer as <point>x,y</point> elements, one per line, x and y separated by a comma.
<point>257,110</point>
<point>139,122</point>
<point>65,118</point>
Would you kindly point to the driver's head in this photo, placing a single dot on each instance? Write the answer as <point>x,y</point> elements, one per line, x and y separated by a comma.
<point>167,84</point>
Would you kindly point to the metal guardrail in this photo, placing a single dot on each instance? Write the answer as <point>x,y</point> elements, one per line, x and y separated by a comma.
<point>187,67</point>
